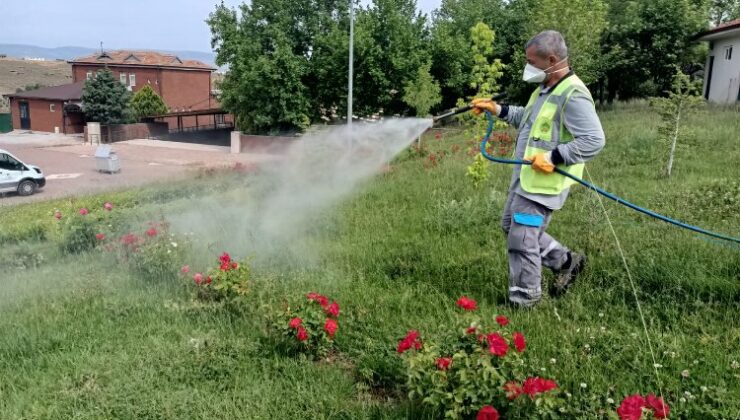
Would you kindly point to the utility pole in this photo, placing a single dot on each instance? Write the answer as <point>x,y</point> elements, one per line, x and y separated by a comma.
<point>351,60</point>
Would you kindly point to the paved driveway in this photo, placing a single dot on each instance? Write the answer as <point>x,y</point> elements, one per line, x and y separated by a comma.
<point>69,165</point>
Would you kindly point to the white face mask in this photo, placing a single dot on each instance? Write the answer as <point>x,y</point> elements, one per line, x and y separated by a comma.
<point>534,75</point>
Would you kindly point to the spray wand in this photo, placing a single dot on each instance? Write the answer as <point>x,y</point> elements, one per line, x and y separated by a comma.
<point>466,108</point>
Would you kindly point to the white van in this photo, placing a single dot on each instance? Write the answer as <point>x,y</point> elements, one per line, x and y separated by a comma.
<point>17,176</point>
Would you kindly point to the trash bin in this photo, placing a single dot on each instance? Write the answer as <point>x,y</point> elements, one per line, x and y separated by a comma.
<point>106,159</point>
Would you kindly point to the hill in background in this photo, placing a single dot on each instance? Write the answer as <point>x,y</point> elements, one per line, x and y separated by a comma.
<point>17,74</point>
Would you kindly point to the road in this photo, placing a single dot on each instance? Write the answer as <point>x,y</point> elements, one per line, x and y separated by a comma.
<point>70,170</point>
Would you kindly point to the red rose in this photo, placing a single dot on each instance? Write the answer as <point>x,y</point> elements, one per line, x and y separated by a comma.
<point>487,413</point>
<point>660,408</point>
<point>185,269</point>
<point>467,303</point>
<point>321,299</point>
<point>100,236</point>
<point>295,323</point>
<point>198,277</point>
<point>108,206</point>
<point>497,345</point>
<point>333,309</point>
<point>209,280</point>
<point>151,232</point>
<point>519,342</point>
<point>58,215</point>
<point>513,390</point>
<point>631,407</point>
<point>443,363</point>
<point>502,320</point>
<point>331,326</point>
<point>225,258</point>
<point>234,266</point>
<point>224,267</point>
<point>411,340</point>
<point>302,335</point>
<point>84,212</point>
<point>536,385</point>
<point>129,239</point>
<point>471,330</point>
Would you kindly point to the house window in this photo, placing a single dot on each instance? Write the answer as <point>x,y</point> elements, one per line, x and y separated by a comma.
<point>132,79</point>
<point>728,53</point>
<point>89,75</point>
<point>52,107</point>
<point>122,78</point>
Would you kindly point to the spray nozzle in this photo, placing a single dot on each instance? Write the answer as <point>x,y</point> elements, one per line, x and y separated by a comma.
<point>455,111</point>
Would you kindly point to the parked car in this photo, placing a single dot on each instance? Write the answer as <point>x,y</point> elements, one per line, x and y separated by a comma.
<point>18,176</point>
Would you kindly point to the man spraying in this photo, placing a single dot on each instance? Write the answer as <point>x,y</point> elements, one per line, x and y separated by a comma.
<point>558,127</point>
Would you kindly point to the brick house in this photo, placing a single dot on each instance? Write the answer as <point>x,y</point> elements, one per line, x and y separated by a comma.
<point>56,108</point>
<point>184,85</point>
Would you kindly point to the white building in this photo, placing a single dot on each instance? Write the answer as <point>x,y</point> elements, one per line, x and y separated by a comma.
<point>722,71</point>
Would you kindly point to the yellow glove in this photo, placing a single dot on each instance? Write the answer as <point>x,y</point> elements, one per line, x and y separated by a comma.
<point>542,163</point>
<point>485,104</point>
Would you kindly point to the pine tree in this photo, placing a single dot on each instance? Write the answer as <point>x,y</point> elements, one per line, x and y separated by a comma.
<point>106,100</point>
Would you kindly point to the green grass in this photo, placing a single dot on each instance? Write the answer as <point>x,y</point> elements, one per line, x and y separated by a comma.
<point>81,337</point>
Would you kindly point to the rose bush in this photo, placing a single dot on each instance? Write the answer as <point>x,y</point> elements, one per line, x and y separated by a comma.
<point>308,327</point>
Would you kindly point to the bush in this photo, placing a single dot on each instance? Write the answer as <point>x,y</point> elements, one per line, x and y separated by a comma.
<point>308,327</point>
<point>156,255</point>
<point>472,370</point>
<point>77,232</point>
<point>230,281</point>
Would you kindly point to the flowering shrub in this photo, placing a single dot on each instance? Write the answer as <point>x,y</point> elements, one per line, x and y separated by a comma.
<point>476,369</point>
<point>230,280</point>
<point>77,231</point>
<point>155,255</point>
<point>308,327</point>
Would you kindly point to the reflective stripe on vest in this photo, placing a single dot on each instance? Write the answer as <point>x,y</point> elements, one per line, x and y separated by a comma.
<point>546,133</point>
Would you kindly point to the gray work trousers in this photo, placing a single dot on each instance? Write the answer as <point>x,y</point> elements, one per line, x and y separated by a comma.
<point>530,247</point>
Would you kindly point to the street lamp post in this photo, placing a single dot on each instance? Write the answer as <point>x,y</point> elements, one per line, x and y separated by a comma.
<point>351,60</point>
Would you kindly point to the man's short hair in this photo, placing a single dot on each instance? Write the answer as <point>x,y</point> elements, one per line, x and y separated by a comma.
<point>549,43</point>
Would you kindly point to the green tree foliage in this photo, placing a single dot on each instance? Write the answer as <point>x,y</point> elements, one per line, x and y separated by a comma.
<point>106,100</point>
<point>684,96</point>
<point>423,93</point>
<point>647,40</point>
<point>390,46</point>
<point>147,103</point>
<point>721,11</point>
<point>450,42</point>
<point>581,22</point>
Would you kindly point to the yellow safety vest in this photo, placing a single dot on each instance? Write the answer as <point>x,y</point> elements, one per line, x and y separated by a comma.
<point>546,134</point>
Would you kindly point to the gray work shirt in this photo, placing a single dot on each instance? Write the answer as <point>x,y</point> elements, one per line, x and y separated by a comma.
<point>581,121</point>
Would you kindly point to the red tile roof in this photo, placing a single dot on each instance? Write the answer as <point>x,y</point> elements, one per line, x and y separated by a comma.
<point>726,26</point>
<point>69,92</point>
<point>141,58</point>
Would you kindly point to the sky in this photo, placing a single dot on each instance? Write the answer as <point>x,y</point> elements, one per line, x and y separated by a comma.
<point>144,24</point>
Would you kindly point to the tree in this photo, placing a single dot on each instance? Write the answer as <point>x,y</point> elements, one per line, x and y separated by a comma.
<point>723,11</point>
<point>423,93</point>
<point>684,96</point>
<point>147,103</point>
<point>390,46</point>
<point>581,22</point>
<point>106,100</point>
<point>646,40</point>
<point>450,42</point>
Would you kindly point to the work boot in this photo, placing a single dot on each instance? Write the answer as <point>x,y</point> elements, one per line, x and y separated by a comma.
<point>566,276</point>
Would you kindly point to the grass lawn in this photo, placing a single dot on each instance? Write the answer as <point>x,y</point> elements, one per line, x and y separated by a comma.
<point>82,336</point>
